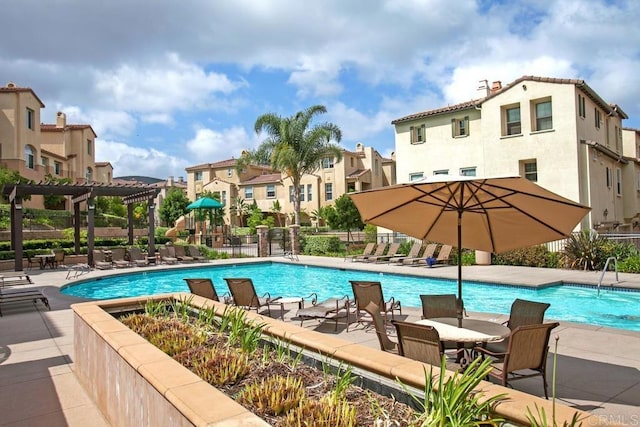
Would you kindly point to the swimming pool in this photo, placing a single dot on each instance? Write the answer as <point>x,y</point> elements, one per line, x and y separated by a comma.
<point>617,309</point>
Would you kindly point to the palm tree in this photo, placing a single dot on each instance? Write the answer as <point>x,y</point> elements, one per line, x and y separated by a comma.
<point>295,148</point>
<point>239,208</point>
<point>277,210</point>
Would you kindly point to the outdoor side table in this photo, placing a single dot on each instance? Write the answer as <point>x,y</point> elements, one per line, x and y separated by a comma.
<point>288,300</point>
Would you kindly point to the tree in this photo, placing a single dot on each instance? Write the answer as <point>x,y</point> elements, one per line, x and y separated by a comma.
<point>344,216</point>
<point>54,202</point>
<point>293,147</point>
<point>9,176</point>
<point>319,216</point>
<point>173,207</point>
<point>276,209</point>
<point>239,208</point>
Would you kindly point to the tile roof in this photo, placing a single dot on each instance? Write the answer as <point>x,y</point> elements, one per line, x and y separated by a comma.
<point>47,127</point>
<point>263,179</point>
<point>448,109</point>
<point>15,89</point>
<point>358,173</point>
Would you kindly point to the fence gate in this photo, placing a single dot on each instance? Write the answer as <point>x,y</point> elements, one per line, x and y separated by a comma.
<point>279,241</point>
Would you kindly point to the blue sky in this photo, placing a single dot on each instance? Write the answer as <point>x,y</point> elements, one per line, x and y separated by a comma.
<point>168,84</point>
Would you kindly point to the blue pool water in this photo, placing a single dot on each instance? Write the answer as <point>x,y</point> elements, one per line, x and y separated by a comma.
<point>617,309</point>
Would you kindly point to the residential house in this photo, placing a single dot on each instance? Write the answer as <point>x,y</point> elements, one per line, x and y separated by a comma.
<point>557,132</point>
<point>164,185</point>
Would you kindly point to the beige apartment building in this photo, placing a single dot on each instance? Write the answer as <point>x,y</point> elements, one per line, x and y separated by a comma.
<point>557,132</point>
<point>34,149</point>
<point>361,169</point>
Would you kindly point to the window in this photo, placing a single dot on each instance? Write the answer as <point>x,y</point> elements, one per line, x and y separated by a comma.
<point>89,148</point>
<point>619,181</point>
<point>376,167</point>
<point>544,121</point>
<point>301,192</point>
<point>582,111</point>
<point>638,182</point>
<point>441,172</point>
<point>609,178</point>
<point>531,170</point>
<point>28,157</point>
<point>291,193</point>
<point>618,138</point>
<point>309,192</point>
<point>417,176</point>
<point>57,168</point>
<point>328,191</point>
<point>417,134</point>
<point>468,171</point>
<point>351,161</point>
<point>512,120</point>
<point>89,175</point>
<point>271,191</point>
<point>44,161</point>
<point>597,117</point>
<point>460,127</point>
<point>223,197</point>
<point>327,163</point>
<point>31,118</point>
<point>197,176</point>
<point>229,172</point>
<point>248,192</point>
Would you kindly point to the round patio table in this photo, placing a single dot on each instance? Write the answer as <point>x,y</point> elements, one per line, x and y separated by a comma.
<point>472,330</point>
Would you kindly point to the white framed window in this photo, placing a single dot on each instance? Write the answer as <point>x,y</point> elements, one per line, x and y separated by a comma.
<point>271,191</point>
<point>530,170</point>
<point>468,171</point>
<point>618,181</point>
<point>441,172</point>
<point>512,123</point>
<point>197,176</point>
<point>31,119</point>
<point>229,172</point>
<point>328,191</point>
<point>582,110</point>
<point>618,138</point>
<point>57,168</point>
<point>29,158</point>
<point>543,115</point>
<point>327,163</point>
<point>460,127</point>
<point>609,177</point>
<point>248,192</point>
<point>418,134</point>
<point>309,192</point>
<point>416,176</point>
<point>597,117</point>
<point>44,161</point>
<point>301,192</point>
<point>223,197</point>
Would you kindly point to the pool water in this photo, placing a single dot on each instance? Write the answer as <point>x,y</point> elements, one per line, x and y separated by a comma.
<point>612,308</point>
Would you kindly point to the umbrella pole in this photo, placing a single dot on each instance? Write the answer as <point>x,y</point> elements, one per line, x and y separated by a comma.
<point>461,307</point>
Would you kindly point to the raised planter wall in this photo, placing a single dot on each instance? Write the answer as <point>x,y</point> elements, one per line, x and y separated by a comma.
<point>134,383</point>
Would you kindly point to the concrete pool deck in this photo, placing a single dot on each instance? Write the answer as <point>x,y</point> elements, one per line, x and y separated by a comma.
<point>598,368</point>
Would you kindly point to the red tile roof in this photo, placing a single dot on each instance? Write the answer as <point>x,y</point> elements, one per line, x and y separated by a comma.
<point>15,89</point>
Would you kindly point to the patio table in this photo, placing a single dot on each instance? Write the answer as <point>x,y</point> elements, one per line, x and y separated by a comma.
<point>45,259</point>
<point>472,330</point>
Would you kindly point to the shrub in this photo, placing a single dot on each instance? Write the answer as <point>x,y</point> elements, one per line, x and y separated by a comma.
<point>585,250</point>
<point>630,265</point>
<point>532,256</point>
<point>322,245</point>
<point>370,233</point>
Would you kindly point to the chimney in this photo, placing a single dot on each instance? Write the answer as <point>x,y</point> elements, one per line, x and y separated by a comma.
<point>496,86</point>
<point>181,179</point>
<point>170,181</point>
<point>61,120</point>
<point>11,85</point>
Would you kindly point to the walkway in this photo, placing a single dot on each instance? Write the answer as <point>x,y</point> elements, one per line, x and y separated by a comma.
<point>598,368</point>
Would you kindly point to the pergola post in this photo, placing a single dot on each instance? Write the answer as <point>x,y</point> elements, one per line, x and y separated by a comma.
<point>90,229</point>
<point>152,228</point>
<point>16,231</point>
<point>130,222</point>
<point>76,228</point>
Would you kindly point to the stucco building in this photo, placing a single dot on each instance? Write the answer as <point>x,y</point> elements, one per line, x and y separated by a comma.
<point>557,132</point>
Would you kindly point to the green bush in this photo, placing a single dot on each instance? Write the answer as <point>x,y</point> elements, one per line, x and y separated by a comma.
<point>370,233</point>
<point>533,256</point>
<point>630,265</point>
<point>322,245</point>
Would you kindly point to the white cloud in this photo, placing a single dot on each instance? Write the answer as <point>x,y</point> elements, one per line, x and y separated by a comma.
<point>211,145</point>
<point>127,160</point>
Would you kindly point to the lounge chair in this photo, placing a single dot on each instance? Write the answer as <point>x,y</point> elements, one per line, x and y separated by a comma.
<point>194,252</point>
<point>332,309</point>
<point>14,279</point>
<point>204,287</point>
<point>180,253</point>
<point>244,295</point>
<point>15,296</point>
<point>413,253</point>
<point>368,250</point>
<point>381,329</point>
<point>422,343</point>
<point>522,313</point>
<point>527,351</point>
<point>444,254</point>
<point>378,252</point>
<point>165,257</point>
<point>100,261</point>
<point>393,250</point>
<point>366,292</point>
<point>118,258</point>
<point>137,257</point>
<point>429,250</point>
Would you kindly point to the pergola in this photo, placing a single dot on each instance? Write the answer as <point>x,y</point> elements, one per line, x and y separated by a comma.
<point>79,193</point>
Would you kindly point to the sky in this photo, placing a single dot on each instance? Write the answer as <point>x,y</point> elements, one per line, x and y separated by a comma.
<point>170,84</point>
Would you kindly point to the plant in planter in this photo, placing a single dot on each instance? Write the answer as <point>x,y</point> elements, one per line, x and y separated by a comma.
<point>266,376</point>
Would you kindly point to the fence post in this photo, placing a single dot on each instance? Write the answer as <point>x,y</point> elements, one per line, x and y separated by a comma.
<point>294,231</point>
<point>263,240</point>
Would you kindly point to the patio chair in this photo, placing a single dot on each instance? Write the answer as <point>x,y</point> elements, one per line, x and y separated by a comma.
<point>526,355</point>
<point>165,257</point>
<point>100,261</point>
<point>381,329</point>
<point>30,261</point>
<point>331,309</point>
<point>204,287</point>
<point>365,292</point>
<point>22,295</point>
<point>194,252</point>
<point>391,252</point>
<point>422,343</point>
<point>244,295</point>
<point>444,254</point>
<point>377,252</point>
<point>429,250</point>
<point>180,253</point>
<point>58,258</point>
<point>413,253</point>
<point>118,257</point>
<point>368,250</point>
<point>137,257</point>
<point>522,313</point>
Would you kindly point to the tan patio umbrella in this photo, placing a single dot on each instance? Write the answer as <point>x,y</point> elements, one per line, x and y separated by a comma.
<point>488,214</point>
